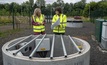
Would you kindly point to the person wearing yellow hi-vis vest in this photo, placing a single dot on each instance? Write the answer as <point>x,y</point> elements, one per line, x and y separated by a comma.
<point>60,29</point>
<point>38,22</point>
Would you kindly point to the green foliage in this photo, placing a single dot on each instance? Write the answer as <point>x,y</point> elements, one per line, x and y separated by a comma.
<point>86,11</point>
<point>86,19</point>
<point>83,1</point>
<point>3,12</point>
<point>81,8</point>
<point>27,8</point>
<point>96,10</point>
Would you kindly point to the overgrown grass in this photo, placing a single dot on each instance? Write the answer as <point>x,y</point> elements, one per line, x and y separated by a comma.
<point>9,32</point>
<point>8,19</point>
<point>105,18</point>
<point>85,19</point>
<point>5,20</point>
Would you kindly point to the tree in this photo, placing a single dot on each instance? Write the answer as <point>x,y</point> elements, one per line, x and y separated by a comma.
<point>104,0</point>
<point>60,2</point>
<point>67,8</point>
<point>83,1</point>
<point>54,4</point>
<point>78,8</point>
<point>102,8</point>
<point>86,11</point>
<point>48,10</point>
<point>40,3</point>
<point>31,2</point>
<point>96,9</point>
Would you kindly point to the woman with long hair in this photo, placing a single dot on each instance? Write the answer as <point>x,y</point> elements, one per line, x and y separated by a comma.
<point>38,22</point>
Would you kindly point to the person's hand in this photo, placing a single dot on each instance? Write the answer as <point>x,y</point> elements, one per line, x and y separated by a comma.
<point>39,23</point>
<point>43,23</point>
<point>58,25</point>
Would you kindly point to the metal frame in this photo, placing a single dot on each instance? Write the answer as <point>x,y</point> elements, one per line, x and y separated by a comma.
<point>74,44</point>
<point>26,45</point>
<point>18,42</point>
<point>52,47</point>
<point>40,42</point>
<point>63,45</point>
<point>35,49</point>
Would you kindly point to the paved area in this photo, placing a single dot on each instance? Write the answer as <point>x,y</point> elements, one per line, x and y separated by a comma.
<point>97,57</point>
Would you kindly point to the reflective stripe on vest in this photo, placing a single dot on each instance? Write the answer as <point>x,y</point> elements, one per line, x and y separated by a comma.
<point>40,28</point>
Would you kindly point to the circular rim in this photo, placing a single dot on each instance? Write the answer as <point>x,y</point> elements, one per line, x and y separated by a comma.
<point>85,45</point>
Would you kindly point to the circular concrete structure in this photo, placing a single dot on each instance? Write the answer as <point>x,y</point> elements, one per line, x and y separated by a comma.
<point>64,50</point>
<point>75,23</point>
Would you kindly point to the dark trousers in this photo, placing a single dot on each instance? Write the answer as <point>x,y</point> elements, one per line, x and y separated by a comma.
<point>37,33</point>
<point>59,33</point>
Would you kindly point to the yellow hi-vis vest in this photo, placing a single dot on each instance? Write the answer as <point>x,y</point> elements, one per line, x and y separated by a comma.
<point>63,20</point>
<point>40,28</point>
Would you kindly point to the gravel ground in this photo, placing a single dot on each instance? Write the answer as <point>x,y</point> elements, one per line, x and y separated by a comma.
<point>5,27</point>
<point>97,57</point>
